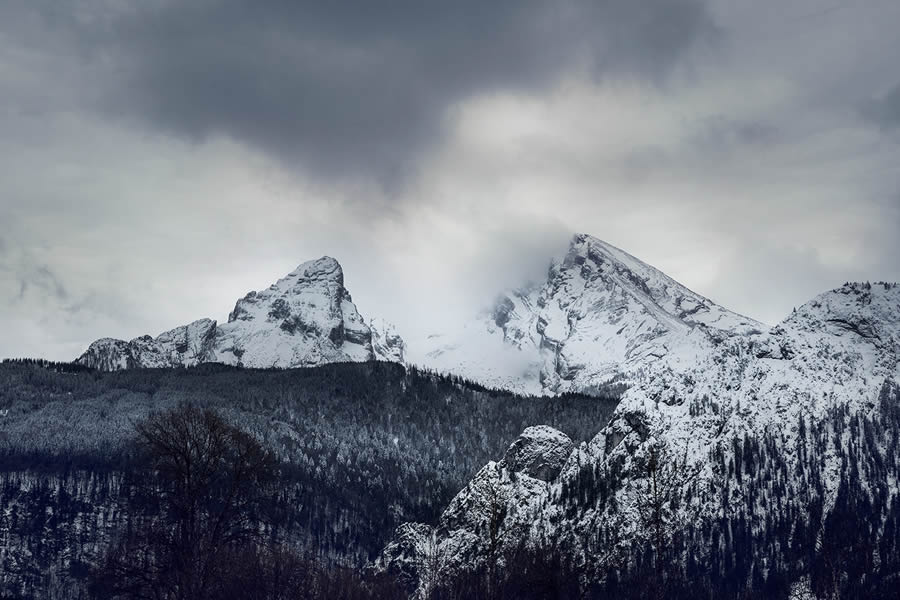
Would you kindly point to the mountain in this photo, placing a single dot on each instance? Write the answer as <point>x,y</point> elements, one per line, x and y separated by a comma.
<point>741,460</point>
<point>601,315</point>
<point>779,450</point>
<point>306,318</point>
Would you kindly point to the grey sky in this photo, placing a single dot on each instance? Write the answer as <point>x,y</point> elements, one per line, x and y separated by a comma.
<point>160,159</point>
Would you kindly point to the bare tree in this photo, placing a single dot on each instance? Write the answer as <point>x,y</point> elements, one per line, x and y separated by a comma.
<point>198,499</point>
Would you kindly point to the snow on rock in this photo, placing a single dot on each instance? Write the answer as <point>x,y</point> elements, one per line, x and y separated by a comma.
<point>496,508</point>
<point>837,354</point>
<point>840,351</point>
<point>386,342</point>
<point>407,556</point>
<point>304,319</point>
<point>513,484</point>
<point>186,345</point>
<point>601,314</point>
<point>495,490</point>
<point>108,354</point>
<point>540,452</point>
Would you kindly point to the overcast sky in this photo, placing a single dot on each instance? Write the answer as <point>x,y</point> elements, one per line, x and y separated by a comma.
<point>159,159</point>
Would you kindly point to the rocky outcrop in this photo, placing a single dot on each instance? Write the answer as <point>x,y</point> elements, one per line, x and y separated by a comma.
<point>494,510</point>
<point>540,452</point>
<point>386,342</point>
<point>304,319</point>
<point>108,354</point>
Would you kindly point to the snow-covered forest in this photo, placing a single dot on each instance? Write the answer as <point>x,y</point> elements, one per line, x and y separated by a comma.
<point>360,449</point>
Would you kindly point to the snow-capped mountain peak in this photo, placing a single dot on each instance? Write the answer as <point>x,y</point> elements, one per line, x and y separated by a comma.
<point>600,314</point>
<point>323,277</point>
<point>597,261</point>
<point>305,318</point>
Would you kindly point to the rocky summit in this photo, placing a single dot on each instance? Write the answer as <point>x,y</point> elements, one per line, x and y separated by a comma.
<point>600,315</point>
<point>307,318</point>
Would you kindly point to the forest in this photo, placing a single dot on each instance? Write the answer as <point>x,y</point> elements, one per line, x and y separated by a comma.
<point>357,449</point>
<point>220,482</point>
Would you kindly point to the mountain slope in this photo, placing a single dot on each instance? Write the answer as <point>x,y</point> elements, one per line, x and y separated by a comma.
<point>306,318</point>
<point>600,315</point>
<point>791,430</point>
<point>362,447</point>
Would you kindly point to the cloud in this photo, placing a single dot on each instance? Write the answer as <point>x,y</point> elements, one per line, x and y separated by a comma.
<point>43,279</point>
<point>885,111</point>
<point>711,191</point>
<point>792,276</point>
<point>161,158</point>
<point>335,89</point>
<point>28,280</point>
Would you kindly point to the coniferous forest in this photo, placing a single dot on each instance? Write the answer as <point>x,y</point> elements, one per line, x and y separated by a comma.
<point>353,451</point>
<point>217,482</point>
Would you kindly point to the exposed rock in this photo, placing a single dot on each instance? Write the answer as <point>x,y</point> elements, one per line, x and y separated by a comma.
<point>496,508</point>
<point>386,342</point>
<point>108,354</point>
<point>406,556</point>
<point>183,346</point>
<point>539,452</point>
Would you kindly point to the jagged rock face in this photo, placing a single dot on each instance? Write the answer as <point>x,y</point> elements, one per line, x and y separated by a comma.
<point>511,485</point>
<point>386,342</point>
<point>186,345</point>
<point>839,348</point>
<point>838,352</point>
<point>601,314</point>
<point>404,558</point>
<point>864,312</point>
<point>304,319</point>
<point>108,354</point>
<point>539,452</point>
<point>495,509</point>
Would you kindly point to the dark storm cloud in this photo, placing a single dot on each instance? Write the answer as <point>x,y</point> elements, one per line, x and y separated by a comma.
<point>719,133</point>
<point>161,158</point>
<point>359,89</point>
